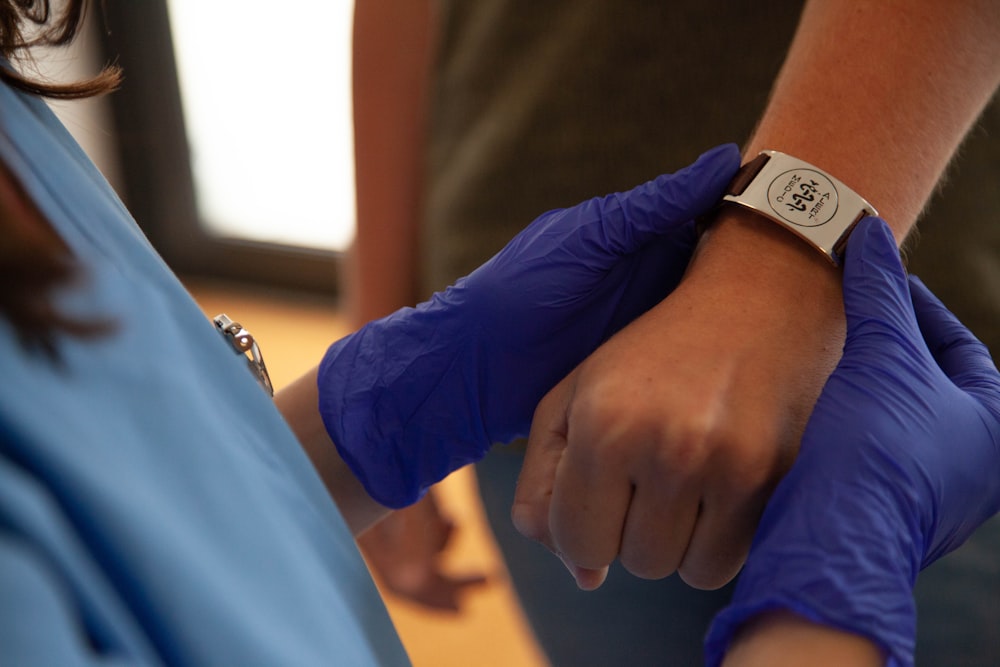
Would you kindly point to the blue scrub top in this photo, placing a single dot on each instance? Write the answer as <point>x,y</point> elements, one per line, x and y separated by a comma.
<point>155,509</point>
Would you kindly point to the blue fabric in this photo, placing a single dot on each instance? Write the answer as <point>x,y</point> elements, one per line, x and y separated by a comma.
<point>154,507</point>
<point>900,463</point>
<point>420,393</point>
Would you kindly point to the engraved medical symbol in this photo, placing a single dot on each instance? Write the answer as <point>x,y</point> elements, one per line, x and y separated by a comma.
<point>803,197</point>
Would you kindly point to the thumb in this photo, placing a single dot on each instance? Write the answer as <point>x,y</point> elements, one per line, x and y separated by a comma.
<point>959,354</point>
<point>875,286</point>
<point>668,201</point>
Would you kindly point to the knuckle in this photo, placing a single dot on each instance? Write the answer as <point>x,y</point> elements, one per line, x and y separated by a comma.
<point>687,444</point>
<point>549,403</point>
<point>597,409</point>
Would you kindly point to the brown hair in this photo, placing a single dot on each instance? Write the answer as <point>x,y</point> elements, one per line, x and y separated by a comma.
<point>34,260</point>
<point>48,30</point>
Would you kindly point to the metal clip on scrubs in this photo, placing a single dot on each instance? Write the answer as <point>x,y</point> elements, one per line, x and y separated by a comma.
<point>244,344</point>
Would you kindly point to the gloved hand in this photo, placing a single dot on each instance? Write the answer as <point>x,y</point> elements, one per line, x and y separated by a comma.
<point>413,396</point>
<point>899,463</point>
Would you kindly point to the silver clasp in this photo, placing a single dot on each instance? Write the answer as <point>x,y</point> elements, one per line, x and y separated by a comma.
<point>244,344</point>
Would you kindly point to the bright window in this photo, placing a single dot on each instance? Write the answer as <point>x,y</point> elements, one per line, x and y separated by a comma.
<point>268,117</point>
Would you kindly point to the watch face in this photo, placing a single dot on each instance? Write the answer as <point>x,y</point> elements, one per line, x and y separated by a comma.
<point>803,197</point>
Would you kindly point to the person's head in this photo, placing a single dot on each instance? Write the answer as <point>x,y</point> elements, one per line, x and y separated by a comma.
<point>34,260</point>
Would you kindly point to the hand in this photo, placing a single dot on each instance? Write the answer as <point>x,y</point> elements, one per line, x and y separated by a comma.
<point>404,551</point>
<point>411,397</point>
<point>899,464</point>
<point>683,422</point>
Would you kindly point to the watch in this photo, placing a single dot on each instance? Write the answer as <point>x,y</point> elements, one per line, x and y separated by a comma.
<point>804,199</point>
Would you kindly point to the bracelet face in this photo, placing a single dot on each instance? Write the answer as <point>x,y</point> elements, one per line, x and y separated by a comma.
<point>809,202</point>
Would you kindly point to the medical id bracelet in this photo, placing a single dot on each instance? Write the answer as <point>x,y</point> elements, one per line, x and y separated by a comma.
<point>809,202</point>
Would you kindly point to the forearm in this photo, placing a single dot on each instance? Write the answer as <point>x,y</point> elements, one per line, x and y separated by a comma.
<point>299,404</point>
<point>776,639</point>
<point>392,56</point>
<point>881,94</point>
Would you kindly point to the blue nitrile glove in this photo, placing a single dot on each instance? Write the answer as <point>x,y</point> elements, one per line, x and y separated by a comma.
<point>899,463</point>
<point>416,395</point>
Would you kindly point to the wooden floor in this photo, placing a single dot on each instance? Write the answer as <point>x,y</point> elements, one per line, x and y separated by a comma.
<point>489,630</point>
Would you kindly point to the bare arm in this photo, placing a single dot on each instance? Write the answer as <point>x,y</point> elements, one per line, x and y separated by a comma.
<point>881,95</point>
<point>392,55</point>
<point>782,639</point>
<point>299,403</point>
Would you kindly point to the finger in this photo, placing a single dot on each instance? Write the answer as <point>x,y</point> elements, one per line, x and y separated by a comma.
<point>667,201</point>
<point>661,519</point>
<point>733,497</point>
<point>587,578</point>
<point>546,444</point>
<point>721,540</point>
<point>875,285</point>
<point>444,592</point>
<point>533,496</point>
<point>592,487</point>
<point>431,523</point>
<point>590,501</point>
<point>960,355</point>
<point>441,533</point>
<point>436,590</point>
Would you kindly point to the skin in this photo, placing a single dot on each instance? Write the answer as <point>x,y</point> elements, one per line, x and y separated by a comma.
<point>416,572</point>
<point>780,639</point>
<point>298,404</point>
<point>682,424</point>
<point>389,95</point>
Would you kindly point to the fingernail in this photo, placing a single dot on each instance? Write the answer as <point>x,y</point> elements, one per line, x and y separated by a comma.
<point>587,579</point>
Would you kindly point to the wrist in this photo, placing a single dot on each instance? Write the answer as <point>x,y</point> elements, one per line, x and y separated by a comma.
<point>783,638</point>
<point>775,303</point>
<point>756,255</point>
